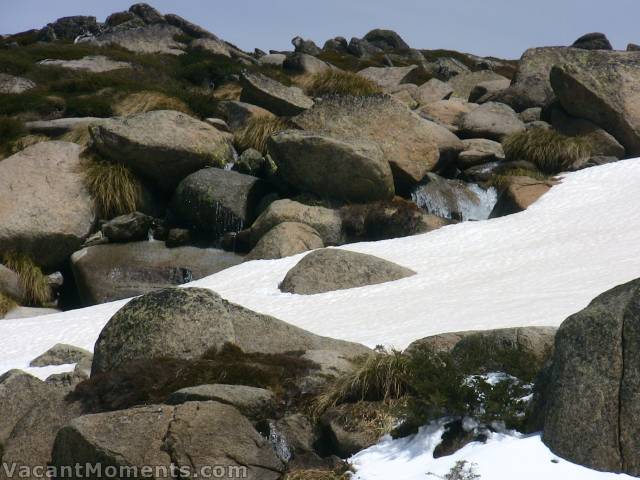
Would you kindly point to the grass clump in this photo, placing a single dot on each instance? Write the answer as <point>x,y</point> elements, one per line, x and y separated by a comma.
<point>549,150</point>
<point>503,179</point>
<point>6,304</point>
<point>142,102</point>
<point>33,282</point>
<point>318,475</point>
<point>378,377</point>
<point>114,187</point>
<point>257,132</point>
<point>339,82</point>
<point>151,381</point>
<point>10,130</point>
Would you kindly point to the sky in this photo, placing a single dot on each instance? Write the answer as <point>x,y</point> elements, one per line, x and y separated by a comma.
<point>502,28</point>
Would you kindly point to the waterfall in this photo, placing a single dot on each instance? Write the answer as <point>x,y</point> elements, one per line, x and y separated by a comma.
<point>279,443</point>
<point>455,199</point>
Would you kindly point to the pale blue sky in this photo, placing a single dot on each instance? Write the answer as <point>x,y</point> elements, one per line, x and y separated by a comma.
<point>486,27</point>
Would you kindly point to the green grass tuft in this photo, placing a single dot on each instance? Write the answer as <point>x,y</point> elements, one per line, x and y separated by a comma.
<point>381,376</point>
<point>338,82</point>
<point>32,280</point>
<point>503,179</point>
<point>549,150</point>
<point>257,132</point>
<point>113,186</point>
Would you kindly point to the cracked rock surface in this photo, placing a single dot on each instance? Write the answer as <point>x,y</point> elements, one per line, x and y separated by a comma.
<point>594,389</point>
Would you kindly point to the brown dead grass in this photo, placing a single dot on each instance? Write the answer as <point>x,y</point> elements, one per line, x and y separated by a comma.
<point>142,102</point>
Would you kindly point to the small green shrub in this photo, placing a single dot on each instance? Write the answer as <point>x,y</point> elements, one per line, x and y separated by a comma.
<point>10,130</point>
<point>43,105</point>
<point>89,106</point>
<point>257,132</point>
<point>339,82</point>
<point>152,381</point>
<point>6,304</point>
<point>381,376</point>
<point>462,470</point>
<point>114,187</point>
<point>32,280</point>
<point>549,150</point>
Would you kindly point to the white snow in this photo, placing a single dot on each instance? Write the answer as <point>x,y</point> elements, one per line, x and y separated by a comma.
<point>533,268</point>
<point>503,457</point>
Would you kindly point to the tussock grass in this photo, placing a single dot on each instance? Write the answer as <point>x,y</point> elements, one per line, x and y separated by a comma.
<point>257,132</point>
<point>377,377</point>
<point>79,134</point>
<point>339,82</point>
<point>549,150</point>
<point>151,381</point>
<point>6,304</point>
<point>317,475</point>
<point>114,187</point>
<point>502,180</point>
<point>142,102</point>
<point>33,281</point>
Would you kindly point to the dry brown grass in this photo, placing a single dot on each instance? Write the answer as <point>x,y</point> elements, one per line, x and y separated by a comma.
<point>317,475</point>
<point>6,304</point>
<point>142,102</point>
<point>377,377</point>
<point>114,187</point>
<point>257,132</point>
<point>549,150</point>
<point>339,82</point>
<point>79,134</point>
<point>32,280</point>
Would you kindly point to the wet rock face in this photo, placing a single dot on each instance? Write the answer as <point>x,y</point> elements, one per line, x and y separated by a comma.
<point>592,401</point>
<point>218,201</point>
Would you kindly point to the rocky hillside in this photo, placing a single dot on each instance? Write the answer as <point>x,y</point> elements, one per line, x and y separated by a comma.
<point>144,153</point>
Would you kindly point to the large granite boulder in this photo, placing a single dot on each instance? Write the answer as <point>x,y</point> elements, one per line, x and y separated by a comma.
<point>593,395</point>
<point>217,201</point>
<point>104,273</point>
<point>195,436</point>
<point>432,91</point>
<point>465,83</point>
<point>326,221</point>
<point>272,95</point>
<point>386,39</point>
<point>603,90</point>
<point>163,145</point>
<point>92,63</point>
<point>152,38</point>
<point>284,240</point>
<point>354,171</point>
<point>127,228</point>
<point>254,403</point>
<point>448,113</point>
<point>593,41</point>
<point>188,322</point>
<point>494,121</point>
<point>518,195</point>
<point>32,413</point>
<point>327,270</point>
<point>45,209</point>
<point>13,84</point>
<point>389,77</point>
<point>406,142</point>
<point>237,114</point>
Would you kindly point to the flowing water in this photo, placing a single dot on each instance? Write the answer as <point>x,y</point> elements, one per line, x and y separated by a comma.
<point>455,199</point>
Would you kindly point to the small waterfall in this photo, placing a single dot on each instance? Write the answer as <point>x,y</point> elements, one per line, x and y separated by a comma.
<point>455,199</point>
<point>224,220</point>
<point>231,164</point>
<point>279,443</point>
